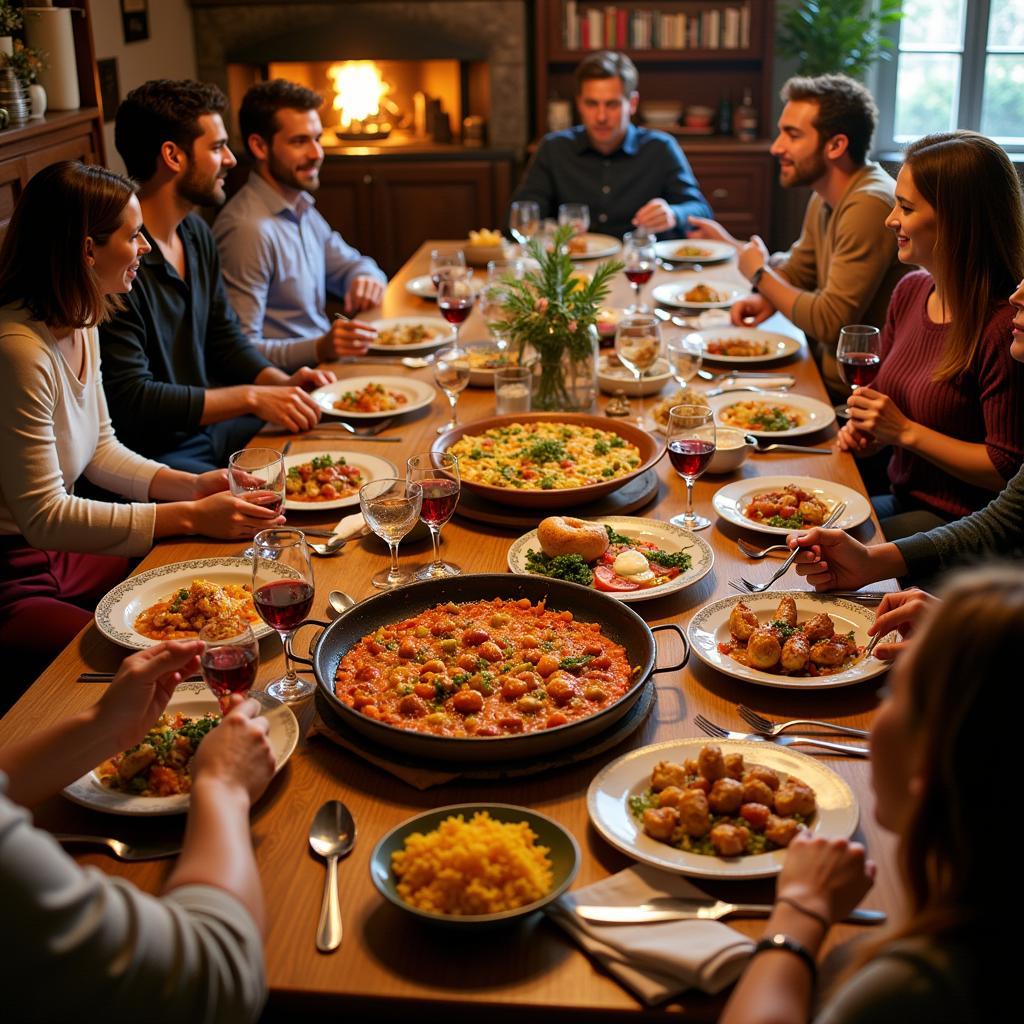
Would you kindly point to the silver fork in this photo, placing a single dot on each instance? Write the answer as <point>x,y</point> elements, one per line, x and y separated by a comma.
<point>759,588</point>
<point>371,431</point>
<point>751,552</point>
<point>783,741</point>
<point>773,729</point>
<point>122,850</point>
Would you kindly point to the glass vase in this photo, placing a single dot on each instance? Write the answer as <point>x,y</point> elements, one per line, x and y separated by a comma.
<point>566,382</point>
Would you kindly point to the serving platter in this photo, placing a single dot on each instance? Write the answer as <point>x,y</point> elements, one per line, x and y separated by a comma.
<point>713,252</point>
<point>817,415</point>
<point>120,607</point>
<point>666,536</point>
<point>370,467</point>
<point>628,776</point>
<point>418,395</point>
<point>780,346</point>
<point>709,627</point>
<point>730,500</point>
<point>445,334</point>
<point>193,700</point>
<point>674,294</point>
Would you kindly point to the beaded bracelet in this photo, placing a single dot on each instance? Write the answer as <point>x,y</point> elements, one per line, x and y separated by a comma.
<point>790,945</point>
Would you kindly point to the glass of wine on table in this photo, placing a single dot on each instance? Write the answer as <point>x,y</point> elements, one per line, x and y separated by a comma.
<point>283,601</point>
<point>638,346</point>
<point>391,508</point>
<point>640,257</point>
<point>228,663</point>
<point>859,354</point>
<point>438,474</point>
<point>691,443</point>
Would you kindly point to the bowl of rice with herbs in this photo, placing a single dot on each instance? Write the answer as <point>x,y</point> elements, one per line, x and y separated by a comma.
<point>474,864</point>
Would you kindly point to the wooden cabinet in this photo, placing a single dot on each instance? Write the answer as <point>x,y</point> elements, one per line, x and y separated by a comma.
<point>386,206</point>
<point>736,179</point>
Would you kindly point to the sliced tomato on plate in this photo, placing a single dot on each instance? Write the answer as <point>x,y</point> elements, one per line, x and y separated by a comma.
<point>606,579</point>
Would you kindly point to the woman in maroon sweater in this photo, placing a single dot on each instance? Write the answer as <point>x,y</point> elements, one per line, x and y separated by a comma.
<point>949,398</point>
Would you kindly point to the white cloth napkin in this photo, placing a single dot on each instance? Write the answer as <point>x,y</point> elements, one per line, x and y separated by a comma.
<point>350,526</point>
<point>782,381</point>
<point>654,961</point>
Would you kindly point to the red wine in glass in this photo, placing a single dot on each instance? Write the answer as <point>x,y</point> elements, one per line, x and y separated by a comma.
<point>229,670</point>
<point>283,604</point>
<point>859,369</point>
<point>440,496</point>
<point>639,275</point>
<point>690,457</point>
<point>455,311</point>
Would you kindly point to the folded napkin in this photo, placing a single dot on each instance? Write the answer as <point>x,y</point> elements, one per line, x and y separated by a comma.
<point>783,380</point>
<point>350,526</point>
<point>654,961</point>
<point>711,318</point>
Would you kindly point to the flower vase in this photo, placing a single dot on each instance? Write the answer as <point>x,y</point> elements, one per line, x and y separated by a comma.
<point>567,381</point>
<point>36,100</point>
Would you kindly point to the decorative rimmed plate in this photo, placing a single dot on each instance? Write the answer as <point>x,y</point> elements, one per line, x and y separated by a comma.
<point>814,414</point>
<point>709,627</point>
<point>666,536</point>
<point>674,250</point>
<point>119,608</point>
<point>630,775</point>
<point>731,500</point>
<point>422,287</point>
<point>564,854</point>
<point>193,700</point>
<point>675,294</point>
<point>598,247</point>
<point>370,468</point>
<point>418,395</point>
<point>778,346</point>
<point>442,334</point>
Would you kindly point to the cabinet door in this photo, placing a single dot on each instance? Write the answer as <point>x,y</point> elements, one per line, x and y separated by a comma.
<point>344,200</point>
<point>738,189</point>
<point>12,180</point>
<point>80,147</point>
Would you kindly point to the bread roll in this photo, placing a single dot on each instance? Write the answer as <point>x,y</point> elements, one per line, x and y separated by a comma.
<point>564,535</point>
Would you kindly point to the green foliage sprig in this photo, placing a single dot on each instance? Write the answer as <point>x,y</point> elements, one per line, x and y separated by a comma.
<point>10,18</point>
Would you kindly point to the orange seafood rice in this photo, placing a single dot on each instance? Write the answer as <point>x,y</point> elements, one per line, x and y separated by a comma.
<point>465,868</point>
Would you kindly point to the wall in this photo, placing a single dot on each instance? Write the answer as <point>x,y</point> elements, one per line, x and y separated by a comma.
<point>169,52</point>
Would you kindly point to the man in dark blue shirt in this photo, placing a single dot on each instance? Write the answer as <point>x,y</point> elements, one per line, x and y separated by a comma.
<point>629,177</point>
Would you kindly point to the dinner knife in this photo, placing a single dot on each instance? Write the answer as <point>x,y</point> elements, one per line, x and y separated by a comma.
<point>672,908</point>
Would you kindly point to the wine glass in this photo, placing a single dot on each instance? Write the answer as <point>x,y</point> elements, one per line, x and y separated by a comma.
<point>447,263</point>
<point>640,258</point>
<point>638,346</point>
<point>859,354</point>
<point>451,372</point>
<point>685,356</point>
<point>524,220</point>
<point>228,663</point>
<point>455,298</point>
<point>258,475</point>
<point>691,443</point>
<point>577,216</point>
<point>438,474</point>
<point>495,294</point>
<point>283,601</point>
<point>391,508</point>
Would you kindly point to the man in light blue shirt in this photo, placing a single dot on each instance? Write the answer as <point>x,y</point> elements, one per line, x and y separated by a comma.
<point>279,257</point>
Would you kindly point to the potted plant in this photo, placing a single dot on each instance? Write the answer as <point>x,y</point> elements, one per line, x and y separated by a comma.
<point>553,311</point>
<point>26,62</point>
<point>10,22</point>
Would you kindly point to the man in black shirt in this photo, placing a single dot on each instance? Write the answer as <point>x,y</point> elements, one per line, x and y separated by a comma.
<point>183,384</point>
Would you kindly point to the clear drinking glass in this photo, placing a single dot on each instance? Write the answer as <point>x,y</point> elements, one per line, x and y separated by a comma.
<point>438,474</point>
<point>577,215</point>
<point>640,258</point>
<point>859,354</point>
<point>691,443</point>
<point>391,508</point>
<point>447,263</point>
<point>283,601</point>
<point>229,663</point>
<point>524,220</point>
<point>638,346</point>
<point>494,295</point>
<point>258,475</point>
<point>451,372</point>
<point>512,389</point>
<point>685,356</point>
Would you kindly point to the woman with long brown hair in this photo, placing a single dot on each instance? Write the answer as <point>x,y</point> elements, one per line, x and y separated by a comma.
<point>943,783</point>
<point>72,246</point>
<point>949,399</point>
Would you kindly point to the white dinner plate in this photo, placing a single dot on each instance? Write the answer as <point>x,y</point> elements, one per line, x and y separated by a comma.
<point>711,252</point>
<point>418,395</point>
<point>612,376</point>
<point>630,775</point>
<point>370,468</point>
<point>443,334</point>
<point>422,287</point>
<point>709,627</point>
<point>119,608</point>
<point>598,247</point>
<point>674,294</point>
<point>732,499</point>
<point>779,345</point>
<point>666,536</point>
<point>193,700</point>
<point>816,415</point>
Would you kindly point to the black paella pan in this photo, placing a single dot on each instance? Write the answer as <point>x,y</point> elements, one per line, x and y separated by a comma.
<point>618,622</point>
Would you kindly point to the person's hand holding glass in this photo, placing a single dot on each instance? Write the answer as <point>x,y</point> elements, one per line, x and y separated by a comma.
<point>638,346</point>
<point>229,663</point>
<point>859,354</point>
<point>258,475</point>
<point>451,372</point>
<point>691,444</point>
<point>391,508</point>
<point>438,474</point>
<point>640,258</point>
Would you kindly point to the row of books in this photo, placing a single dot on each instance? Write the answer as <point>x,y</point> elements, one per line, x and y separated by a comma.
<point>618,28</point>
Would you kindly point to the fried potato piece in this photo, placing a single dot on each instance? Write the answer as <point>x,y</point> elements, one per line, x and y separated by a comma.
<point>734,767</point>
<point>711,762</point>
<point>694,813</point>
<point>795,798</point>
<point>819,627</point>
<point>667,773</point>
<point>726,796</point>
<point>742,621</point>
<point>730,840</point>
<point>795,653</point>
<point>786,611</point>
<point>763,648</point>
<point>781,831</point>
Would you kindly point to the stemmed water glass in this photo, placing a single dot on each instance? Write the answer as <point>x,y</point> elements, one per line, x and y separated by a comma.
<point>638,346</point>
<point>391,508</point>
<point>438,474</point>
<point>685,356</point>
<point>228,663</point>
<point>859,354</point>
<point>495,294</point>
<point>640,258</point>
<point>451,372</point>
<point>691,443</point>
<point>258,475</point>
<point>283,601</point>
<point>446,263</point>
<point>577,216</point>
<point>524,220</point>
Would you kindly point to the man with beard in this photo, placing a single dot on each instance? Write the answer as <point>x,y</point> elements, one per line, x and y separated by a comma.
<point>280,257</point>
<point>183,384</point>
<point>843,267</point>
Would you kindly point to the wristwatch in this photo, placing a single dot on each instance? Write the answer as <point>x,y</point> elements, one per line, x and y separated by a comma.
<point>756,276</point>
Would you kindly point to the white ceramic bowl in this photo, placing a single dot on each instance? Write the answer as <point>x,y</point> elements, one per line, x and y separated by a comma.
<point>612,378</point>
<point>731,450</point>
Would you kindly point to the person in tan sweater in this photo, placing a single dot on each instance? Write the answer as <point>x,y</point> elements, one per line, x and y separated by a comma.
<point>843,267</point>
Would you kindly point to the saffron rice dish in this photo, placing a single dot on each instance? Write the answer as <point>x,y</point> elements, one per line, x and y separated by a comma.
<point>184,613</point>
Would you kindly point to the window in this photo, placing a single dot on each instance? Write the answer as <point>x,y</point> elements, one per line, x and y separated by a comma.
<point>957,64</point>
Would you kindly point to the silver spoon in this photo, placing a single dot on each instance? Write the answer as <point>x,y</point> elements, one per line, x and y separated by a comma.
<point>331,835</point>
<point>762,448</point>
<point>338,602</point>
<point>328,549</point>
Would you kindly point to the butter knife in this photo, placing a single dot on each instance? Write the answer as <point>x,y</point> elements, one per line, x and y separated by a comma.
<point>672,908</point>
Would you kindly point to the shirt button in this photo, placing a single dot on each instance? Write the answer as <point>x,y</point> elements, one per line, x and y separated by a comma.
<point>606,189</point>
<point>602,217</point>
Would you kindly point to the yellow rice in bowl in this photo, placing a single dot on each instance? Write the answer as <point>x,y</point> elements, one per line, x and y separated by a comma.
<point>469,868</point>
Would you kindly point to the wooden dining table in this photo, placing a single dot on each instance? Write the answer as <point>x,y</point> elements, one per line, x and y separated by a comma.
<point>389,965</point>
